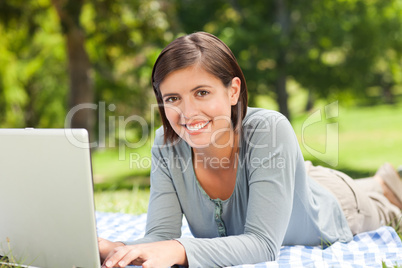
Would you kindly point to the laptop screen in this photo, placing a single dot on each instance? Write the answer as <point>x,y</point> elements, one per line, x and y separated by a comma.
<point>46,198</point>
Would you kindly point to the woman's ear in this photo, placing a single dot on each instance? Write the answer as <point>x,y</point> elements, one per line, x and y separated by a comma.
<point>235,88</point>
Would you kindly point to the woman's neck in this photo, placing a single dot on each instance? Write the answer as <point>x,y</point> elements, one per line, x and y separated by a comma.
<point>217,157</point>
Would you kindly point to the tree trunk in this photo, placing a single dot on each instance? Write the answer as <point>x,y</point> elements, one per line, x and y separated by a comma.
<point>281,93</point>
<point>79,66</point>
<point>387,93</point>
<point>310,101</point>
<point>282,18</point>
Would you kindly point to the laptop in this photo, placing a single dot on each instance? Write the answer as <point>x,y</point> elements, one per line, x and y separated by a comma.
<point>47,212</point>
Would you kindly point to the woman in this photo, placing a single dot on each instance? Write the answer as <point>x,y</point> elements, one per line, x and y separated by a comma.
<point>237,174</point>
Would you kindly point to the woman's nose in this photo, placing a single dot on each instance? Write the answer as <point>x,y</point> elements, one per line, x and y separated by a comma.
<point>189,109</point>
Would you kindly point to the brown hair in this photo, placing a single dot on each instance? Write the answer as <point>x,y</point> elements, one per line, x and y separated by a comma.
<point>213,56</point>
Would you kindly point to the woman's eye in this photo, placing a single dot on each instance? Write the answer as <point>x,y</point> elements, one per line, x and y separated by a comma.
<point>202,93</point>
<point>171,99</point>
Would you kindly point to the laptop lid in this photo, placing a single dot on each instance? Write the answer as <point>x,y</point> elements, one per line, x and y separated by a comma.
<point>47,216</point>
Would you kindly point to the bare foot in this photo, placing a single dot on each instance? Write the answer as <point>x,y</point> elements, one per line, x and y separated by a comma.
<point>388,192</point>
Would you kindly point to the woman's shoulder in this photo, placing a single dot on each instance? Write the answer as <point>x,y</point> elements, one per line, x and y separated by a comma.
<point>253,112</point>
<point>159,136</point>
<point>261,117</point>
<point>159,141</point>
<point>268,127</point>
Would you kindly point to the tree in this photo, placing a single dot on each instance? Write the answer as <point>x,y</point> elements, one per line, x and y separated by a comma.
<point>30,93</point>
<point>109,46</point>
<point>328,47</point>
<point>81,84</point>
<point>124,39</point>
<point>343,48</point>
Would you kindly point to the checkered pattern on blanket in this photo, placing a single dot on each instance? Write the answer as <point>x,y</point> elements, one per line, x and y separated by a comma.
<point>370,249</point>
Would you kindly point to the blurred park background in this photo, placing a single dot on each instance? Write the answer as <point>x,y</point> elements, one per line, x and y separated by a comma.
<point>298,57</point>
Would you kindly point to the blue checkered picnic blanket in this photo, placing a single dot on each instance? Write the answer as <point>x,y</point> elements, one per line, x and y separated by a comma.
<point>370,249</point>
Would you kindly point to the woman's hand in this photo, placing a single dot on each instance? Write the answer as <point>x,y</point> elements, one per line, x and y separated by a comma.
<point>157,254</point>
<point>106,246</point>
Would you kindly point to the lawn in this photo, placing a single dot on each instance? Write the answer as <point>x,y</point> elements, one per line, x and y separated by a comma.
<point>367,137</point>
<point>359,140</point>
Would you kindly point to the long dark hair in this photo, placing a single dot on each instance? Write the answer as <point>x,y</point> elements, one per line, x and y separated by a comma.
<point>211,54</point>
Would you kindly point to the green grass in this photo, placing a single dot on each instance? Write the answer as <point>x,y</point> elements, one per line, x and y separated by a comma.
<point>9,257</point>
<point>121,168</point>
<point>133,201</point>
<point>368,137</point>
<point>394,266</point>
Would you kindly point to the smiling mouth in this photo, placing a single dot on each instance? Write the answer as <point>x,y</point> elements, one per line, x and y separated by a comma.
<point>195,127</point>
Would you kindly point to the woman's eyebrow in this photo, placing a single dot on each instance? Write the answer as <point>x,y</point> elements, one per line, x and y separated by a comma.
<point>200,86</point>
<point>193,89</point>
<point>168,95</point>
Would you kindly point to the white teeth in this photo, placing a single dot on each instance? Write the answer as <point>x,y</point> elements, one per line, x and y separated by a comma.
<point>196,126</point>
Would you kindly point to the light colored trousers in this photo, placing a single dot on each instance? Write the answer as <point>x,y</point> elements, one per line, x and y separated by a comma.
<point>362,200</point>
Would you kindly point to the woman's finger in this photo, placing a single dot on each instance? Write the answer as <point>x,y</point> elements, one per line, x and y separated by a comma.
<point>106,247</point>
<point>148,264</point>
<point>115,256</point>
<point>132,257</point>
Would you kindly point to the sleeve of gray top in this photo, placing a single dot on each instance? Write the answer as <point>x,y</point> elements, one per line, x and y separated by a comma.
<point>273,152</point>
<point>164,216</point>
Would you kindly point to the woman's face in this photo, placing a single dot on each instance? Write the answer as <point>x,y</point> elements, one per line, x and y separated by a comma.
<point>198,106</point>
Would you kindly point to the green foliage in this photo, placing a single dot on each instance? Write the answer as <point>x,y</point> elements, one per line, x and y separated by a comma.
<point>343,49</point>
<point>327,47</point>
<point>33,85</point>
<point>123,40</point>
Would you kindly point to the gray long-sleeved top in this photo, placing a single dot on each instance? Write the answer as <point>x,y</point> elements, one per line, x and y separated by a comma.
<point>274,202</point>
